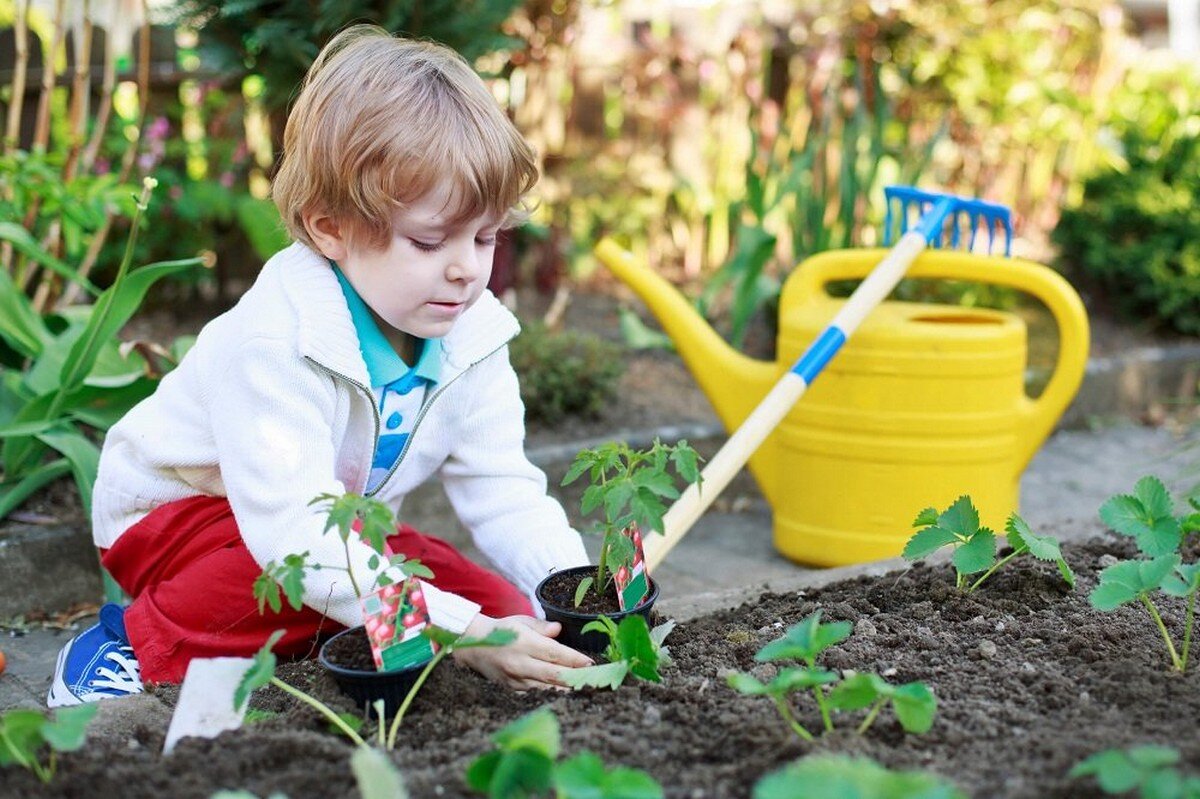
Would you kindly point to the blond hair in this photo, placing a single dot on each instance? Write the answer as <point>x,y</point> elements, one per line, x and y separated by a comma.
<point>381,120</point>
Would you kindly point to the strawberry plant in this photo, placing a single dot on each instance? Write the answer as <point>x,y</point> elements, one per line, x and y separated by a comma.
<point>351,514</point>
<point>633,648</point>
<point>25,733</point>
<point>525,764</point>
<point>913,703</point>
<point>975,546</point>
<point>1147,769</point>
<point>842,777</point>
<point>1148,516</point>
<point>630,487</point>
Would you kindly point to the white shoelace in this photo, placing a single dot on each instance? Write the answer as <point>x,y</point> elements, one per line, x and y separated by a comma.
<point>128,677</point>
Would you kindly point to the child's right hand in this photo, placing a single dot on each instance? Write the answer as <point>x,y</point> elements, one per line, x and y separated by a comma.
<point>533,660</point>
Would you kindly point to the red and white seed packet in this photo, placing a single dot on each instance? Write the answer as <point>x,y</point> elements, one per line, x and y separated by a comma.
<point>633,582</point>
<point>394,617</point>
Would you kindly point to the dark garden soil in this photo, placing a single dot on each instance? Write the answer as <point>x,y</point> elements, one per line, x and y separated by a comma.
<point>1029,680</point>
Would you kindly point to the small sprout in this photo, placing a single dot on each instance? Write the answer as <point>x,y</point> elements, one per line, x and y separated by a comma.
<point>630,487</point>
<point>633,648</point>
<point>913,703</point>
<point>841,777</point>
<point>975,546</point>
<point>524,764</point>
<point>1147,516</point>
<point>24,733</point>
<point>1147,769</point>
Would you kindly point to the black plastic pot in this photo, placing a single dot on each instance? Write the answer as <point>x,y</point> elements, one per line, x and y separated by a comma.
<point>573,622</point>
<point>363,686</point>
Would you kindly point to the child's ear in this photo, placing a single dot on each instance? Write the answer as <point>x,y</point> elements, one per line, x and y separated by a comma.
<point>326,233</point>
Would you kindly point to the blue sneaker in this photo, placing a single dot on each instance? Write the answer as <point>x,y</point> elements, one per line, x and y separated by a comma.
<point>96,664</point>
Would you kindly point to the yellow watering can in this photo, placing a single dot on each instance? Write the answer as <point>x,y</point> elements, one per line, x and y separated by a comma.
<point>924,404</point>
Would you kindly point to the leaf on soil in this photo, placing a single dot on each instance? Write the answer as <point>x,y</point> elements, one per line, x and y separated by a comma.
<point>377,777</point>
<point>977,554</point>
<point>927,541</point>
<point>604,675</point>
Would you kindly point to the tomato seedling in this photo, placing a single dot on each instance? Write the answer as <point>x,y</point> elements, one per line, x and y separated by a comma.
<point>633,648</point>
<point>1147,769</point>
<point>25,733</point>
<point>975,546</point>
<point>913,703</point>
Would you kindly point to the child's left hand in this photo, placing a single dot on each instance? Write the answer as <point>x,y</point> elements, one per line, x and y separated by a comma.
<point>533,660</point>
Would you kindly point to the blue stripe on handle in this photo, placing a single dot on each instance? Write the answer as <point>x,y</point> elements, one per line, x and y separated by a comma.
<point>818,354</point>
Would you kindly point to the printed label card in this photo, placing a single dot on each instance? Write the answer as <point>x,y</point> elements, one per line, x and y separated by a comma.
<point>633,583</point>
<point>394,617</point>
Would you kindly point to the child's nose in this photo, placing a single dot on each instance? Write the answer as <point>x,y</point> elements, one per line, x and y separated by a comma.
<point>465,263</point>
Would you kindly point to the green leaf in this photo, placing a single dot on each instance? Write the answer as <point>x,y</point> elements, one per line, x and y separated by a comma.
<point>266,590</point>
<point>482,769</point>
<point>961,518</point>
<point>1125,581</point>
<point>603,675</point>
<point>647,510</point>
<point>82,454</point>
<point>1146,516</point>
<point>376,776</point>
<point>686,462</point>
<point>12,496</point>
<point>576,471</point>
<point>1154,497</point>
<point>805,639</point>
<point>28,246</point>
<point>520,774</point>
<point>842,777</point>
<point>68,730</point>
<point>1119,771</point>
<point>22,730</point>
<point>977,554</point>
<point>593,497</point>
<point>616,497</point>
<point>260,672</point>
<point>637,648</point>
<point>915,706</point>
<point>584,776</point>
<point>924,542</point>
<point>926,518</point>
<point>857,691</point>
<point>1184,582</point>
<point>537,731</point>
<point>20,326</point>
<point>1041,547</point>
<point>746,684</point>
<point>582,588</point>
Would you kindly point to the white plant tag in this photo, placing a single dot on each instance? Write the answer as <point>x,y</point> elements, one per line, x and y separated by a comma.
<point>205,706</point>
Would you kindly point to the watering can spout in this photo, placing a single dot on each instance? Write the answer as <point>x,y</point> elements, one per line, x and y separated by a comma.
<point>733,382</point>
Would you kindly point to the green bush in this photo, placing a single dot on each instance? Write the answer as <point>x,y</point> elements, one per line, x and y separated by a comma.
<point>566,373</point>
<point>1137,230</point>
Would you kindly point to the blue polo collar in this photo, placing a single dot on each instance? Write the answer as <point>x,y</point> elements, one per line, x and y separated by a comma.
<point>383,364</point>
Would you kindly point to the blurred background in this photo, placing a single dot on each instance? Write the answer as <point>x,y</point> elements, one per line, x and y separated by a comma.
<point>722,141</point>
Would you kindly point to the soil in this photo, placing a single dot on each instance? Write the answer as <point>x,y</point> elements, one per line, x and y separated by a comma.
<point>1030,679</point>
<point>559,591</point>
<point>351,651</point>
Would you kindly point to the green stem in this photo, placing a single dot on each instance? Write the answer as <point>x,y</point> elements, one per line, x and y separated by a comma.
<point>24,759</point>
<point>1187,630</point>
<point>990,571</point>
<point>1162,628</point>
<point>870,716</point>
<point>819,693</point>
<point>784,710</point>
<point>394,732</point>
<point>349,568</point>
<point>334,718</point>
<point>602,564</point>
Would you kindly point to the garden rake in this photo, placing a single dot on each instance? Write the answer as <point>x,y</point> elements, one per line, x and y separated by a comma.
<point>934,213</point>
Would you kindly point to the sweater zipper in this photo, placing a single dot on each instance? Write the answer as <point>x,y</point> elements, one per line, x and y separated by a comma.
<point>366,392</point>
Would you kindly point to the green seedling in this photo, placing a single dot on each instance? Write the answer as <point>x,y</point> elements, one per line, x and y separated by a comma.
<point>262,673</point>
<point>376,777</point>
<point>633,648</point>
<point>1148,517</point>
<point>1147,769</point>
<point>24,734</point>
<point>975,546</point>
<point>842,777</point>
<point>525,764</point>
<point>629,486</point>
<point>913,703</point>
<point>351,515</point>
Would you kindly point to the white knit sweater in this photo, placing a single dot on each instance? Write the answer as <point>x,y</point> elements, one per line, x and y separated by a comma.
<point>272,407</point>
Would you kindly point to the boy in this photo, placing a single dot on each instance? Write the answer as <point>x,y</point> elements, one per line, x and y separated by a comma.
<point>366,357</point>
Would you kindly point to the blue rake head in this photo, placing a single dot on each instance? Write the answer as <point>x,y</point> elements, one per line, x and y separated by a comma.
<point>929,210</point>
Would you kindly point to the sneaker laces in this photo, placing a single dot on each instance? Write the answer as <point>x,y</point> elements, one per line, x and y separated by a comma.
<point>127,677</point>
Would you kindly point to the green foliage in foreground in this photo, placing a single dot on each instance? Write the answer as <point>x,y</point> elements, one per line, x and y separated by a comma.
<point>525,764</point>
<point>1149,770</point>
<point>25,734</point>
<point>566,373</point>
<point>842,777</point>
<point>633,648</point>
<point>975,546</point>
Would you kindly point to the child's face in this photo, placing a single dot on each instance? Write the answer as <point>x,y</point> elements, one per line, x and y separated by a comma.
<point>430,272</point>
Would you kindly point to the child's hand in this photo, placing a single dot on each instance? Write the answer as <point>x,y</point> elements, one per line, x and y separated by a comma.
<point>533,660</point>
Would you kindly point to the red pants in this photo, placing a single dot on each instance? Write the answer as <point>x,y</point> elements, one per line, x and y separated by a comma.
<point>190,576</point>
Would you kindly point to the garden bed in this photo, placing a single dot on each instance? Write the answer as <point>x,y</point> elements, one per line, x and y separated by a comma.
<point>1030,679</point>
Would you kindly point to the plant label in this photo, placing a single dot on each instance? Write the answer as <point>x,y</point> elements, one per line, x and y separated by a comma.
<point>632,581</point>
<point>394,617</point>
<point>205,706</point>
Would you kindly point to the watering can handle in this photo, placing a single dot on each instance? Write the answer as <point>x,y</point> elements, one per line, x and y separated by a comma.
<point>1039,415</point>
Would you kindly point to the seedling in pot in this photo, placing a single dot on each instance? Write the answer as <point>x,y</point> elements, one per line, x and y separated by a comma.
<point>633,648</point>
<point>25,733</point>
<point>629,486</point>
<point>840,777</point>
<point>1147,769</point>
<point>975,546</point>
<point>525,764</point>
<point>913,703</point>
<point>1148,517</point>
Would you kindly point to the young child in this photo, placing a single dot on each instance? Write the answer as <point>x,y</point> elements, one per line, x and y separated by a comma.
<point>367,357</point>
